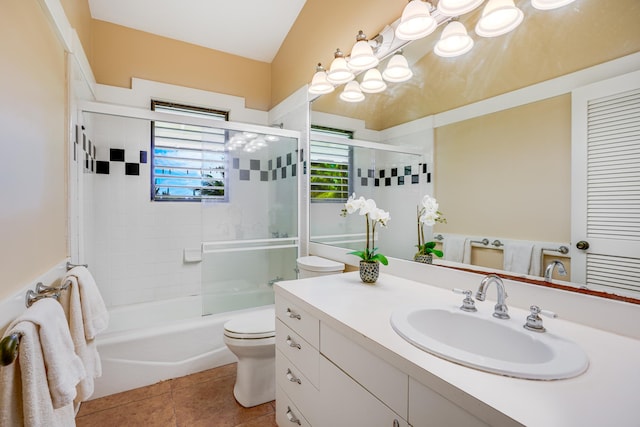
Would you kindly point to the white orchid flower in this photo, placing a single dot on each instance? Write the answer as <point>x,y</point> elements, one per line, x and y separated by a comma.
<point>429,203</point>
<point>380,216</point>
<point>429,218</point>
<point>368,206</point>
<point>353,204</point>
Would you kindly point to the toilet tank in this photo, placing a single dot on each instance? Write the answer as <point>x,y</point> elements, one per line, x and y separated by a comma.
<point>313,266</point>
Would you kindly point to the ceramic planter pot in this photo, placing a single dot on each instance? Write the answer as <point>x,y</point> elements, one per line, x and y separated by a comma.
<point>369,271</point>
<point>425,259</point>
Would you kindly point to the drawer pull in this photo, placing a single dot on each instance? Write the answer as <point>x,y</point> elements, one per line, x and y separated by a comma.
<point>396,423</point>
<point>292,314</point>
<point>291,416</point>
<point>292,343</point>
<point>292,377</point>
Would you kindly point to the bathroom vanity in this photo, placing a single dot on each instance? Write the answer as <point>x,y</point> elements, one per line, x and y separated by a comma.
<point>340,363</point>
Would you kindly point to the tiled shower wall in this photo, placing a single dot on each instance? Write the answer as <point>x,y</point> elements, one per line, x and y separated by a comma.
<point>135,246</point>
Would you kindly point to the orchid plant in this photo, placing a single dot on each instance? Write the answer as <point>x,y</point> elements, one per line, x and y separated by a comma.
<point>428,214</point>
<point>373,216</point>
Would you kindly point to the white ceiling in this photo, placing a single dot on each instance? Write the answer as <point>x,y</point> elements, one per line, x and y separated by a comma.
<point>250,28</point>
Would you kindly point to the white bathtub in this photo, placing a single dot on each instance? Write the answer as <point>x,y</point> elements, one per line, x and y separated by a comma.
<point>168,341</point>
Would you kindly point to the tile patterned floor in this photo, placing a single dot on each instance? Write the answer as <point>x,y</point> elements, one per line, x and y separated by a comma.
<point>202,399</point>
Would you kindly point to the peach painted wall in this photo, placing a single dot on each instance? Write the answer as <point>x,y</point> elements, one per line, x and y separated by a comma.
<point>33,211</point>
<point>79,16</point>
<point>120,53</point>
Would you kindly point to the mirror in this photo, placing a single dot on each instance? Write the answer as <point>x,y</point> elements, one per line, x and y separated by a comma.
<point>498,173</point>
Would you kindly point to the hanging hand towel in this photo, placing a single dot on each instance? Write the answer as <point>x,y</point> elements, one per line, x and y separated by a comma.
<point>453,248</point>
<point>535,269</point>
<point>96,316</point>
<point>517,257</point>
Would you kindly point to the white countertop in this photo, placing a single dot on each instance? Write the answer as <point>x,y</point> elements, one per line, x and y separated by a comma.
<point>607,394</point>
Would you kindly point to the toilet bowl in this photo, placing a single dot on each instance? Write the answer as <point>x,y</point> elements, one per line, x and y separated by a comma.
<point>314,266</point>
<point>251,338</point>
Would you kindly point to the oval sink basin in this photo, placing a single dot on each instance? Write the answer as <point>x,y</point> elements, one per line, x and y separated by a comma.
<point>493,345</point>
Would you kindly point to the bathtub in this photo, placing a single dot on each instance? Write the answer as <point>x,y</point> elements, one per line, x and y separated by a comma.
<point>168,341</point>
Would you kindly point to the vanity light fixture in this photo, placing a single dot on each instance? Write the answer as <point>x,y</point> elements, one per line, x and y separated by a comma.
<point>352,92</point>
<point>362,56</point>
<point>549,4</point>
<point>397,70</point>
<point>372,82</point>
<point>454,41</point>
<point>416,21</point>
<point>339,72</point>
<point>457,7</point>
<point>498,18</point>
<point>319,84</point>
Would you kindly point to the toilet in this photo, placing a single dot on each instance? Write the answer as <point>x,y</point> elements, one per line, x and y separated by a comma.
<point>252,337</point>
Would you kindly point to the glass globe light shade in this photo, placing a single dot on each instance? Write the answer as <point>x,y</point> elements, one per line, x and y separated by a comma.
<point>416,21</point>
<point>319,83</point>
<point>454,41</point>
<point>352,92</point>
<point>397,69</point>
<point>372,82</point>
<point>362,57</point>
<point>549,4</point>
<point>339,73</point>
<point>457,7</point>
<point>498,18</point>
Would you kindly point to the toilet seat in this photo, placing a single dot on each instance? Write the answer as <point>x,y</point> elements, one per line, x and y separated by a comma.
<point>254,326</point>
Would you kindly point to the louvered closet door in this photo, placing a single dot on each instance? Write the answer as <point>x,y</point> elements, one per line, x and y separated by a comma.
<point>606,185</point>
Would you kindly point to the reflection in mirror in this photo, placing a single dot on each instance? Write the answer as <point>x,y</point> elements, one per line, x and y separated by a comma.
<point>498,137</point>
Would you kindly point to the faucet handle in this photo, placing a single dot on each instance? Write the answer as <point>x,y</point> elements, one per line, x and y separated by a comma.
<point>534,321</point>
<point>468,304</point>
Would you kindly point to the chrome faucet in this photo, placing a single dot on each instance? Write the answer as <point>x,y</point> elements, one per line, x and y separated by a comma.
<point>548,272</point>
<point>500,310</point>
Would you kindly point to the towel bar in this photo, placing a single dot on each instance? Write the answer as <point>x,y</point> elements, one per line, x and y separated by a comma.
<point>484,241</point>
<point>70,266</point>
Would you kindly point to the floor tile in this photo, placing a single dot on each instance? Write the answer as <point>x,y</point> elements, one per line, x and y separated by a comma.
<point>210,374</point>
<point>156,411</point>
<point>118,399</point>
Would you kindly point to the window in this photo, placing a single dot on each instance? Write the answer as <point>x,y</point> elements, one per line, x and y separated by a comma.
<point>188,162</point>
<point>330,166</point>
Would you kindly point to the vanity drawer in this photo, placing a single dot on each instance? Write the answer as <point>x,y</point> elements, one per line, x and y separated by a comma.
<point>381,379</point>
<point>298,351</point>
<point>287,414</point>
<point>297,386</point>
<point>299,320</point>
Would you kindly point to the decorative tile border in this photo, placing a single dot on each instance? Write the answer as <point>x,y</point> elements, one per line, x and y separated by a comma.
<point>393,176</point>
<point>118,155</point>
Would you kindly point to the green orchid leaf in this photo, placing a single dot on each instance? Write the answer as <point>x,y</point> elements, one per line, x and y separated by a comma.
<point>430,245</point>
<point>437,253</point>
<point>379,257</point>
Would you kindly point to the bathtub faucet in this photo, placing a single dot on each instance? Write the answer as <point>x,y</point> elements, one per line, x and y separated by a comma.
<point>277,279</point>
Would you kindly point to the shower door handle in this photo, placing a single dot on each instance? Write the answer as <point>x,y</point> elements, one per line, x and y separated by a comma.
<point>292,314</point>
<point>292,343</point>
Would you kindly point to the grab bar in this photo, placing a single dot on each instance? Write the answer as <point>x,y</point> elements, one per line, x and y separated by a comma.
<point>562,249</point>
<point>484,242</point>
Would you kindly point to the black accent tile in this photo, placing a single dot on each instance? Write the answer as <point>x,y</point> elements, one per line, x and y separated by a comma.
<point>429,177</point>
<point>116,155</point>
<point>93,165</point>
<point>245,175</point>
<point>364,181</point>
<point>102,167</point>
<point>407,170</point>
<point>382,172</point>
<point>415,179</point>
<point>394,171</point>
<point>376,182</point>
<point>236,163</point>
<point>254,165</point>
<point>90,150</point>
<point>75,155</point>
<point>359,172</point>
<point>84,142</point>
<point>283,172</point>
<point>143,157</point>
<point>264,176</point>
<point>86,161</point>
<point>279,162</point>
<point>294,170</point>
<point>132,168</point>
<point>302,154</point>
<point>94,151</point>
<point>77,134</point>
<point>270,164</point>
<point>371,173</point>
<point>424,168</point>
<point>274,174</point>
<point>401,180</point>
<point>289,161</point>
<point>387,182</point>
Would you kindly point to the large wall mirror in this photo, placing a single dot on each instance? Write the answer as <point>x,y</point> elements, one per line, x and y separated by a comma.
<point>495,139</point>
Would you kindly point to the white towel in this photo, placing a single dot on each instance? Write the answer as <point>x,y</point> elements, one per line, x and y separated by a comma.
<point>517,257</point>
<point>453,248</point>
<point>535,269</point>
<point>95,314</point>
<point>466,258</point>
<point>85,349</point>
<point>38,389</point>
